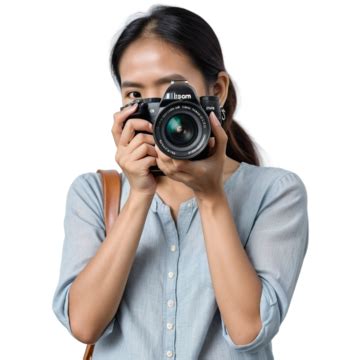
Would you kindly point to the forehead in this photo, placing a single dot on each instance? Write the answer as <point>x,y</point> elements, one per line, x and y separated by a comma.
<point>147,59</point>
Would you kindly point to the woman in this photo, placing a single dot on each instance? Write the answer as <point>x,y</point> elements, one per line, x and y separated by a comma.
<point>201,263</point>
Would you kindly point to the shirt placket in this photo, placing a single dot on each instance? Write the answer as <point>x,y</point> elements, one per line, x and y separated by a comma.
<point>174,236</point>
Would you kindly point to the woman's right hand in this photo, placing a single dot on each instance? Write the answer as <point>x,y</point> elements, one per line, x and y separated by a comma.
<point>135,153</point>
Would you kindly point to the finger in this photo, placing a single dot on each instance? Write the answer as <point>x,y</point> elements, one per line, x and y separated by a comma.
<point>140,165</point>
<point>119,119</point>
<point>211,142</point>
<point>174,166</point>
<point>219,134</point>
<point>140,139</point>
<point>131,125</point>
<point>146,162</point>
<point>141,151</point>
<point>169,162</point>
<point>162,155</point>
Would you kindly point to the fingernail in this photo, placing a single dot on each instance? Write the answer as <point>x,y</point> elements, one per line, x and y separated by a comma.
<point>130,107</point>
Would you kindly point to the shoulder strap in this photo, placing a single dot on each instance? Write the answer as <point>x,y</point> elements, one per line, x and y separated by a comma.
<point>111,184</point>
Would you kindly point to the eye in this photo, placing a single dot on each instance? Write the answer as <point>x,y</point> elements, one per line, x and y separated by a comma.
<point>133,94</point>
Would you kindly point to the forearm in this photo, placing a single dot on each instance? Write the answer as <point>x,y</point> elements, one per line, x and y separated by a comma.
<point>236,284</point>
<point>96,292</point>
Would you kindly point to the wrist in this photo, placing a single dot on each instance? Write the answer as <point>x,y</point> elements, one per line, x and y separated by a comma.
<point>211,200</point>
<point>139,197</point>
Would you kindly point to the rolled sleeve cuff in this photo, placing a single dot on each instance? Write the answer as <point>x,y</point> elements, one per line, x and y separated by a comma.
<point>108,330</point>
<point>270,318</point>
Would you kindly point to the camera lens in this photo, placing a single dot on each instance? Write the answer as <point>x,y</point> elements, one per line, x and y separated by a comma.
<point>181,130</point>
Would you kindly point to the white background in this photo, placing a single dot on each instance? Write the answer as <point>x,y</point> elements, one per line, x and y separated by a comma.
<point>296,68</point>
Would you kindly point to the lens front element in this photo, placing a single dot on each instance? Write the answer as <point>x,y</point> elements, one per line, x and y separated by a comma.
<point>181,130</point>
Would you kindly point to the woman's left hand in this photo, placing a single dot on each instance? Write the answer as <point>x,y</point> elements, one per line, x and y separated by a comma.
<point>204,176</point>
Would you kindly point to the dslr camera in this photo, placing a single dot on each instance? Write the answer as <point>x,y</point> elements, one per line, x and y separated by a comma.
<point>181,125</point>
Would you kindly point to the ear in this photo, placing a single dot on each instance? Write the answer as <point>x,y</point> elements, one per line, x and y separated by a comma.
<point>221,86</point>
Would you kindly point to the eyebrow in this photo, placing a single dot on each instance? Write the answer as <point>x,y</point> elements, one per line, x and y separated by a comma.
<point>161,81</point>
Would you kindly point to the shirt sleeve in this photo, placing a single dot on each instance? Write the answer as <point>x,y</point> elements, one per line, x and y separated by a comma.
<point>276,246</point>
<point>84,232</point>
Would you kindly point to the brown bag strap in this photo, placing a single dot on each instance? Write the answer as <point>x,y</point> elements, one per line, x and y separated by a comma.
<point>111,184</point>
<point>89,351</point>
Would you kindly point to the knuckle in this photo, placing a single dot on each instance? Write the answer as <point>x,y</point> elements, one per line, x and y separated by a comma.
<point>117,116</point>
<point>202,170</point>
<point>131,124</point>
<point>149,149</point>
<point>141,137</point>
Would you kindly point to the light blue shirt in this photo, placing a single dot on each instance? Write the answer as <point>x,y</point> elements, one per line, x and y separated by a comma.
<point>169,310</point>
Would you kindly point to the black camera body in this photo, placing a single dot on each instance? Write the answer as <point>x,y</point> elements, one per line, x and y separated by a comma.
<point>181,126</point>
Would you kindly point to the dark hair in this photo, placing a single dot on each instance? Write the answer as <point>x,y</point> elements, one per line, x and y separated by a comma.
<point>194,36</point>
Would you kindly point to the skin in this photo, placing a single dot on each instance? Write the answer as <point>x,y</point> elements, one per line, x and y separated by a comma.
<point>145,62</point>
<point>236,284</point>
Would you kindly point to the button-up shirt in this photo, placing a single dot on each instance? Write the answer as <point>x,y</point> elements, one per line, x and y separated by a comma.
<point>168,309</point>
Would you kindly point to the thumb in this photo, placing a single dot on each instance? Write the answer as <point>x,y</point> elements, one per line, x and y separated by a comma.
<point>215,121</point>
<point>219,134</point>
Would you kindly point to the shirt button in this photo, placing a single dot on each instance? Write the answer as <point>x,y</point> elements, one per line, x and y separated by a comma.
<point>169,354</point>
<point>172,248</point>
<point>170,326</point>
<point>171,274</point>
<point>189,205</point>
<point>170,303</point>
